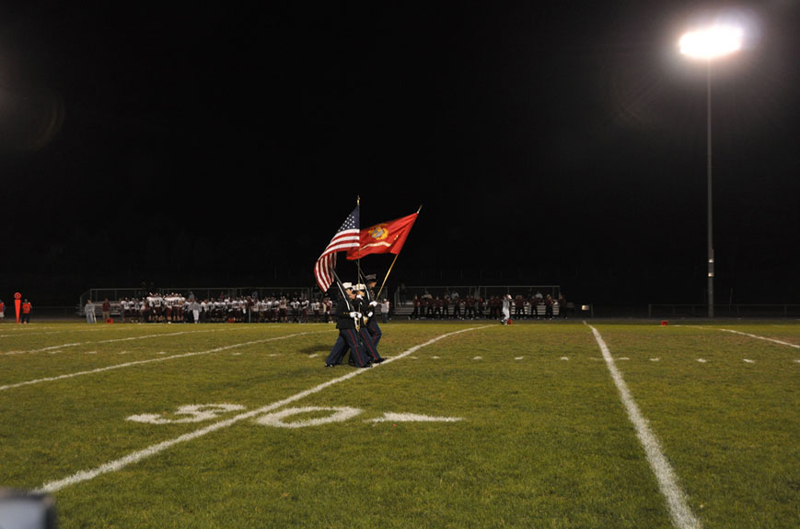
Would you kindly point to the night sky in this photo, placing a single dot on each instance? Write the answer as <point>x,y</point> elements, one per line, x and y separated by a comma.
<point>222,144</point>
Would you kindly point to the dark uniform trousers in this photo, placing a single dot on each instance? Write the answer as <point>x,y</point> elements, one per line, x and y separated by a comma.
<point>374,330</point>
<point>370,345</point>
<point>348,340</point>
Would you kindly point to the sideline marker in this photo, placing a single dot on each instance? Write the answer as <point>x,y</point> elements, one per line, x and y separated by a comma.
<point>17,301</point>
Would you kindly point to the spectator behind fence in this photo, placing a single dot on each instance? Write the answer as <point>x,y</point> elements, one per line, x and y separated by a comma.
<point>385,306</point>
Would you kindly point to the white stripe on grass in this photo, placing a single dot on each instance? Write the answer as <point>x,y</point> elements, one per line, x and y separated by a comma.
<point>681,514</point>
<point>141,362</point>
<point>762,338</point>
<point>135,457</point>
<point>410,417</point>
<point>110,340</point>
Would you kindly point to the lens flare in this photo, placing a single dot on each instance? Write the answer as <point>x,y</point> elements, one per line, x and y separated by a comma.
<point>712,43</point>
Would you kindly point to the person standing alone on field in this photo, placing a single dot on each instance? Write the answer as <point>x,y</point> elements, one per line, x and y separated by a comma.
<point>88,311</point>
<point>506,309</point>
<point>26,311</point>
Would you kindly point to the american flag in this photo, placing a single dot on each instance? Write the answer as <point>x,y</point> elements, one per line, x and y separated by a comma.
<point>345,238</point>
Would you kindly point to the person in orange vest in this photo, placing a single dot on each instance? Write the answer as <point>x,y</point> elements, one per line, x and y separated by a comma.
<point>26,311</point>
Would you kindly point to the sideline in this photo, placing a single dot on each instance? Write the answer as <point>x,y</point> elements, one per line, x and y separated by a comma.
<point>135,457</point>
<point>681,514</point>
<point>160,359</point>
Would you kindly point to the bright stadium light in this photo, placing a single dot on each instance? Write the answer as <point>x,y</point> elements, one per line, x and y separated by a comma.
<point>710,44</point>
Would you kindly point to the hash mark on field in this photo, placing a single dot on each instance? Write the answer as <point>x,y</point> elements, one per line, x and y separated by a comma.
<point>655,359</point>
<point>748,361</point>
<point>702,360</point>
<point>518,357</point>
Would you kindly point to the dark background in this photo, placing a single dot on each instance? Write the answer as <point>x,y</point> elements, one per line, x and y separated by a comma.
<point>222,145</point>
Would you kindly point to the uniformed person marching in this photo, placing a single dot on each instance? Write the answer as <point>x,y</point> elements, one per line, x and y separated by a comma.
<point>347,316</point>
<point>372,322</point>
<point>368,311</point>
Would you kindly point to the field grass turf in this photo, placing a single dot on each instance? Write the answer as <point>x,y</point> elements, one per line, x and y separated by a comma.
<point>541,439</point>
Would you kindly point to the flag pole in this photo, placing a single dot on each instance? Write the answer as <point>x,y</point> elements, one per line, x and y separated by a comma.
<point>378,296</point>
<point>391,266</point>
<point>358,262</point>
<point>343,294</point>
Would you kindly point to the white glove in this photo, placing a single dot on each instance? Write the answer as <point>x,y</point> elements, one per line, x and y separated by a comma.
<point>373,303</point>
<point>354,315</point>
<point>369,314</point>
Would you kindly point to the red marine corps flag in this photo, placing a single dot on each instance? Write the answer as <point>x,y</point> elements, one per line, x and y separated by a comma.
<point>386,237</point>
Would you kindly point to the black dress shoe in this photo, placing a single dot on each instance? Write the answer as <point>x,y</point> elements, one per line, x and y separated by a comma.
<point>330,365</point>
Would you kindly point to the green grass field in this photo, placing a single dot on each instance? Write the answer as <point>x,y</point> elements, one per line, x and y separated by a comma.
<point>468,425</point>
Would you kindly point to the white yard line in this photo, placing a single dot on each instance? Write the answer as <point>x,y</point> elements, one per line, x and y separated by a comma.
<point>681,514</point>
<point>112,340</point>
<point>761,338</point>
<point>21,330</point>
<point>135,457</point>
<point>140,362</point>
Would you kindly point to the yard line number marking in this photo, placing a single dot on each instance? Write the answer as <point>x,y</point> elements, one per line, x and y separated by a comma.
<point>207,412</point>
<point>135,457</point>
<point>189,413</point>
<point>681,514</point>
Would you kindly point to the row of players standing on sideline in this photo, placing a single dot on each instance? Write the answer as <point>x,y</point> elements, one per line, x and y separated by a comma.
<point>476,307</point>
<point>175,308</point>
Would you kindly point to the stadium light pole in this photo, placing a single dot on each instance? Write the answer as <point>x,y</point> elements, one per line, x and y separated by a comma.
<point>710,44</point>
